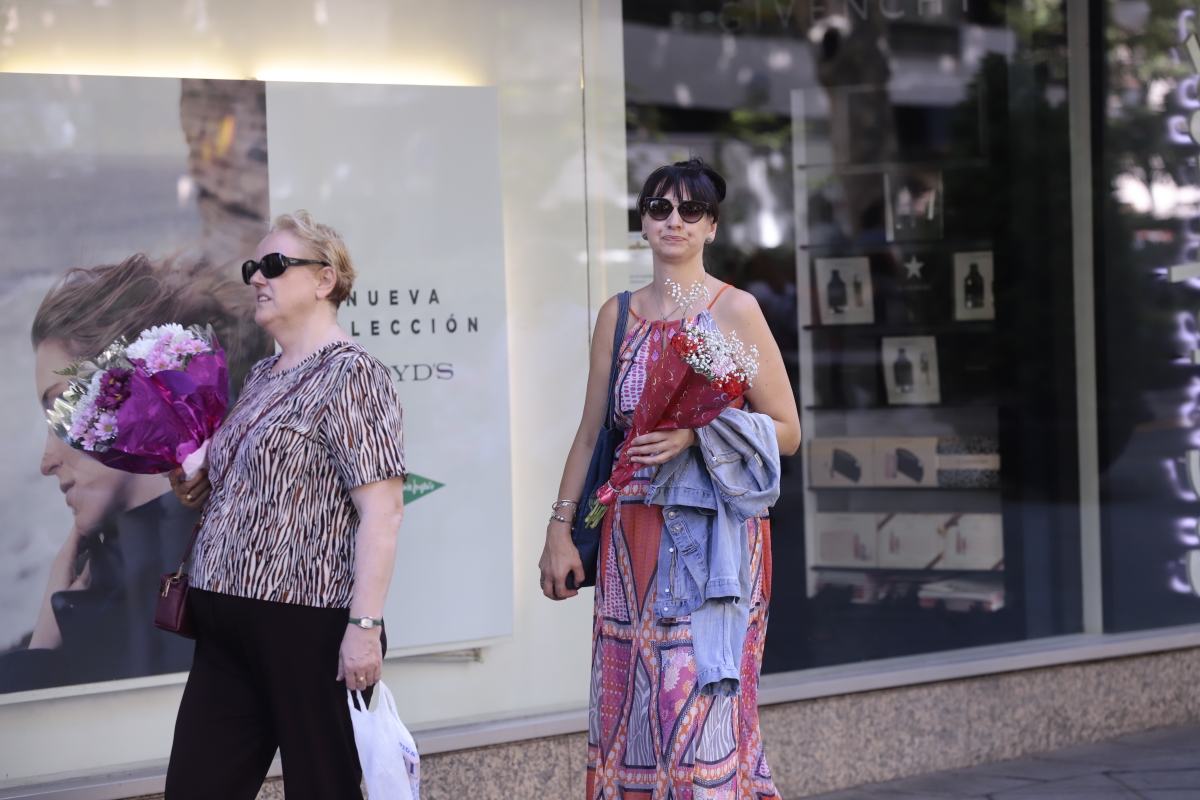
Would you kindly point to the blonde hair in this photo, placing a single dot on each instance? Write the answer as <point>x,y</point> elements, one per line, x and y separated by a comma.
<point>326,244</point>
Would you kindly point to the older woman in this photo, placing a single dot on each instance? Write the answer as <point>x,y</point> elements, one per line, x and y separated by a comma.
<point>293,561</point>
<point>673,700</point>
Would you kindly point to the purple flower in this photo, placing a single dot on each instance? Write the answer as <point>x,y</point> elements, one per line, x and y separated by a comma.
<point>114,389</point>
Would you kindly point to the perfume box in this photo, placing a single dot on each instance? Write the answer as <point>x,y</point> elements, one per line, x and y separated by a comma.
<point>910,370</point>
<point>974,298</point>
<point>968,462</point>
<point>840,462</point>
<point>844,293</point>
<point>846,540</point>
<point>912,541</point>
<point>906,462</point>
<point>974,541</point>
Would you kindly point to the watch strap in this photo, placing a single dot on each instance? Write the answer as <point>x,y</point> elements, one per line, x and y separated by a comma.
<point>366,623</point>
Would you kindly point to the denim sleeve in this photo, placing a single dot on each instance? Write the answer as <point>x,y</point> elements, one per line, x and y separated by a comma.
<point>718,633</point>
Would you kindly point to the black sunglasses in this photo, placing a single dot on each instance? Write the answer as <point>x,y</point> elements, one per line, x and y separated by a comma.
<point>660,208</point>
<point>273,265</point>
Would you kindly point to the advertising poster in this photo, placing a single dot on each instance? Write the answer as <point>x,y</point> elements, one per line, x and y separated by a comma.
<point>844,292</point>
<point>130,202</point>
<point>411,177</point>
<point>124,203</point>
<point>910,370</point>
<point>914,205</point>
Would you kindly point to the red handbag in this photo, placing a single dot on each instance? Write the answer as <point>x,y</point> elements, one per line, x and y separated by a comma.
<point>170,612</point>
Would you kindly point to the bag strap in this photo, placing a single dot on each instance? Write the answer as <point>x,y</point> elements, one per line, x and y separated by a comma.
<point>187,555</point>
<point>618,340</point>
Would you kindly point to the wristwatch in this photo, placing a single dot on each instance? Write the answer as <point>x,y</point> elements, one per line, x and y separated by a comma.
<point>366,623</point>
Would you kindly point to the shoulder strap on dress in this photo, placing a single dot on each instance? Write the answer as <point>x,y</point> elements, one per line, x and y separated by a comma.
<point>720,292</point>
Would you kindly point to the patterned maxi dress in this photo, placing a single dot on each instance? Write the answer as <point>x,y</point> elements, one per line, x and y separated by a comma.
<point>651,734</point>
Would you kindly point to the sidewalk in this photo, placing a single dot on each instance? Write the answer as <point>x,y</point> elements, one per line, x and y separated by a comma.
<point>1162,764</point>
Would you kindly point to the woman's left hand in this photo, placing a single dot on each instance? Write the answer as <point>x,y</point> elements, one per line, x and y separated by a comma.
<point>659,447</point>
<point>360,662</point>
<point>193,494</point>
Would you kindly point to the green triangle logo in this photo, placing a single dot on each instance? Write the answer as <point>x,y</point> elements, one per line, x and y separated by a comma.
<point>417,486</point>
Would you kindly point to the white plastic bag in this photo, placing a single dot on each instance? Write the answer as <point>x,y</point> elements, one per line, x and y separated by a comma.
<point>386,750</point>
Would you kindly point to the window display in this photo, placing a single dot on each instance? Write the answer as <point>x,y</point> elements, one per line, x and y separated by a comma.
<point>896,217</point>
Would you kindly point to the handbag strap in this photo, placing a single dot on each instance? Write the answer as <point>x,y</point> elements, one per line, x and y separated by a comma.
<point>187,555</point>
<point>618,340</point>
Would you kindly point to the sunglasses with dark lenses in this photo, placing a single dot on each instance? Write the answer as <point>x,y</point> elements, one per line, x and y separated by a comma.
<point>272,265</point>
<point>660,208</point>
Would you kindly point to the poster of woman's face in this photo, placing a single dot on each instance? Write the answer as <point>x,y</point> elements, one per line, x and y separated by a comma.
<point>124,203</point>
<point>132,202</point>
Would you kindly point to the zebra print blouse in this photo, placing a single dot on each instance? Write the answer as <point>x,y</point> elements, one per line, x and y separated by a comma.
<point>280,523</point>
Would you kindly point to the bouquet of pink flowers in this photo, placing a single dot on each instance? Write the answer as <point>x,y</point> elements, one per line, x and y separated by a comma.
<point>688,385</point>
<point>147,407</point>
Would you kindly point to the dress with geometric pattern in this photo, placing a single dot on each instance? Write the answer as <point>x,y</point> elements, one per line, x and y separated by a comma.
<point>651,734</point>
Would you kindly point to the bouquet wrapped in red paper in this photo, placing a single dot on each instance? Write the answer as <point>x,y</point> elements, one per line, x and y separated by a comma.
<point>697,375</point>
<point>146,407</point>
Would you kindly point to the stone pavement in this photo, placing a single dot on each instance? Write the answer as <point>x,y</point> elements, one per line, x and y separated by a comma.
<point>1162,764</point>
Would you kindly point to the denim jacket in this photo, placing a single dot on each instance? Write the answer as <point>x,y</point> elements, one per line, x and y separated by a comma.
<point>707,493</point>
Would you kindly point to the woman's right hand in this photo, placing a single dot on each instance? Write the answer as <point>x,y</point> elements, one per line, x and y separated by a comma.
<point>194,493</point>
<point>559,558</point>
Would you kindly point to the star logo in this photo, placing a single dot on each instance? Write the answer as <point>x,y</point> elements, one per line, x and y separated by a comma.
<point>913,267</point>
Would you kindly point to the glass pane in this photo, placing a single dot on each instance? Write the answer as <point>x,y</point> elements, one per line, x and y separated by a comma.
<point>1147,293</point>
<point>899,204</point>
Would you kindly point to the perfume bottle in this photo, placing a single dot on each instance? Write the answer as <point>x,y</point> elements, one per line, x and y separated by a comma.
<point>973,287</point>
<point>835,293</point>
<point>902,372</point>
<point>857,287</point>
<point>924,362</point>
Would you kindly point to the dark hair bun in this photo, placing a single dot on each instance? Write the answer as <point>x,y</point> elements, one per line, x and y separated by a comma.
<point>698,165</point>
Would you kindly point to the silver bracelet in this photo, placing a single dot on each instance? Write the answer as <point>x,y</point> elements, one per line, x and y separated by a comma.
<point>564,503</point>
<point>555,517</point>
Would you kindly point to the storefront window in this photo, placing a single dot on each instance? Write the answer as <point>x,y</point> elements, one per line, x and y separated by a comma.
<point>899,204</point>
<point>1147,293</point>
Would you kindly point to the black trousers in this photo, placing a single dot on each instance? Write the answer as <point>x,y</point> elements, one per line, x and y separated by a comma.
<point>264,676</point>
